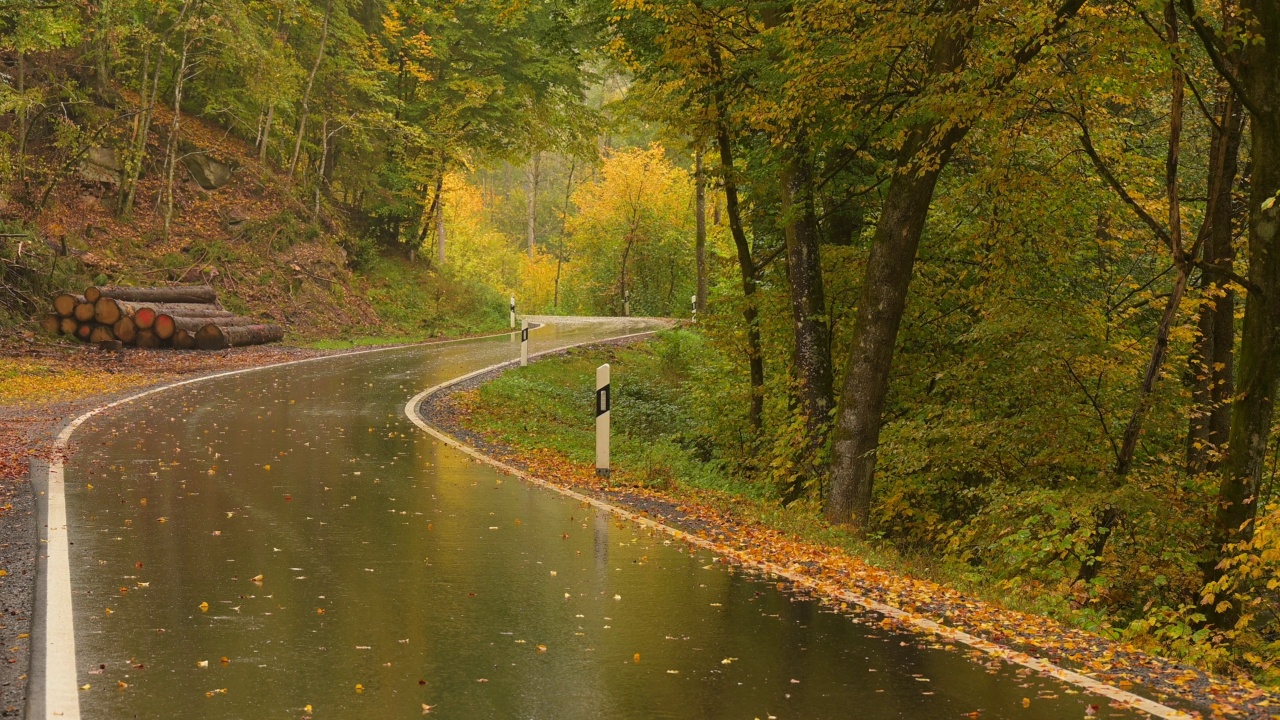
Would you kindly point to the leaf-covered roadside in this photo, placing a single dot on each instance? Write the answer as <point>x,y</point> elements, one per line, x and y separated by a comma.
<point>547,438</point>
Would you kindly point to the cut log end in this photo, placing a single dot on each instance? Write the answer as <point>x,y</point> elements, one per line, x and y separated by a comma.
<point>164,326</point>
<point>84,312</point>
<point>126,330</point>
<point>106,311</point>
<point>144,318</point>
<point>92,294</point>
<point>101,333</point>
<point>184,340</point>
<point>65,304</point>
<point>147,340</point>
<point>68,326</point>
<point>50,324</point>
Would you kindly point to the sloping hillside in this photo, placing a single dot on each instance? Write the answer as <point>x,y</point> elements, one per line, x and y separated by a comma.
<point>267,252</point>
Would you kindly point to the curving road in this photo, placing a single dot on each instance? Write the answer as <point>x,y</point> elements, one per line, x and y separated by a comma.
<point>285,543</point>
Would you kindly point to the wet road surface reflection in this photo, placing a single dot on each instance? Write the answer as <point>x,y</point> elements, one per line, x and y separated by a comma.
<point>285,543</point>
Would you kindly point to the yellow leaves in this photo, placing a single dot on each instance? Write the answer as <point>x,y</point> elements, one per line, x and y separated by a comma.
<point>204,607</point>
<point>307,708</point>
<point>359,688</point>
<point>85,686</point>
<point>542,648</point>
<point>635,658</point>
<point>202,664</point>
<point>256,579</point>
<point>217,691</point>
<point>3,572</point>
<point>1026,702</point>
<point>26,382</point>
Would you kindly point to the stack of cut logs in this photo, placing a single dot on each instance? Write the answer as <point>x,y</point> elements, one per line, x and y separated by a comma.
<point>185,317</point>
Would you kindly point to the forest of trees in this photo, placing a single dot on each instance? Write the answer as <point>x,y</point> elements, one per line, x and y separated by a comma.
<point>995,282</point>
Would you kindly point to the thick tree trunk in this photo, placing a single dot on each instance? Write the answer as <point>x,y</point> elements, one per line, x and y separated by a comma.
<point>700,221</point>
<point>1260,336</point>
<point>884,294</point>
<point>811,360</point>
<point>1213,353</point>
<point>925,152</point>
<point>880,307</point>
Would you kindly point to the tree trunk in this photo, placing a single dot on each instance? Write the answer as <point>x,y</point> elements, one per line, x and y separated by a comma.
<point>132,169</point>
<point>1252,413</point>
<point>884,294</point>
<point>324,159</point>
<point>532,213</point>
<point>306,94</point>
<point>1129,443</point>
<point>22,116</point>
<point>927,149</point>
<point>1213,354</point>
<point>440,231</point>
<point>700,219</point>
<point>265,141</point>
<point>746,264</point>
<point>171,155</point>
<point>811,360</point>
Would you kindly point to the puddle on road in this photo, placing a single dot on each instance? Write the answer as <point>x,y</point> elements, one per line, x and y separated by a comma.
<point>287,539</point>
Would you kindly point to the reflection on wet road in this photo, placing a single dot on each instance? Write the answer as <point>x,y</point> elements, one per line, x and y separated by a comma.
<point>285,543</point>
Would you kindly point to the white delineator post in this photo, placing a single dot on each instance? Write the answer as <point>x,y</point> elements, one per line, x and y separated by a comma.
<point>626,304</point>
<point>513,311</point>
<point>693,300</point>
<point>524,343</point>
<point>602,420</point>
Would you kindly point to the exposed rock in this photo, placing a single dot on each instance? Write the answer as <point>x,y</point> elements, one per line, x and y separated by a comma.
<point>234,216</point>
<point>207,172</point>
<point>101,165</point>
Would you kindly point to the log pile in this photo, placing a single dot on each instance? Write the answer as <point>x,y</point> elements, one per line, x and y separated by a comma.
<point>185,317</point>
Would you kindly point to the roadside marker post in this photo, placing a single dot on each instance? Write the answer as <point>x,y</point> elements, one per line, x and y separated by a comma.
<point>693,300</point>
<point>602,420</point>
<point>626,304</point>
<point>524,343</point>
<point>513,312</point>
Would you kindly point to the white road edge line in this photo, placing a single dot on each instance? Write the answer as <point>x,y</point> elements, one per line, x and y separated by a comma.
<point>61,693</point>
<point>1121,697</point>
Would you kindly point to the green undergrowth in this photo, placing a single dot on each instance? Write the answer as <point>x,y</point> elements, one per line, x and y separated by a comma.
<point>656,443</point>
